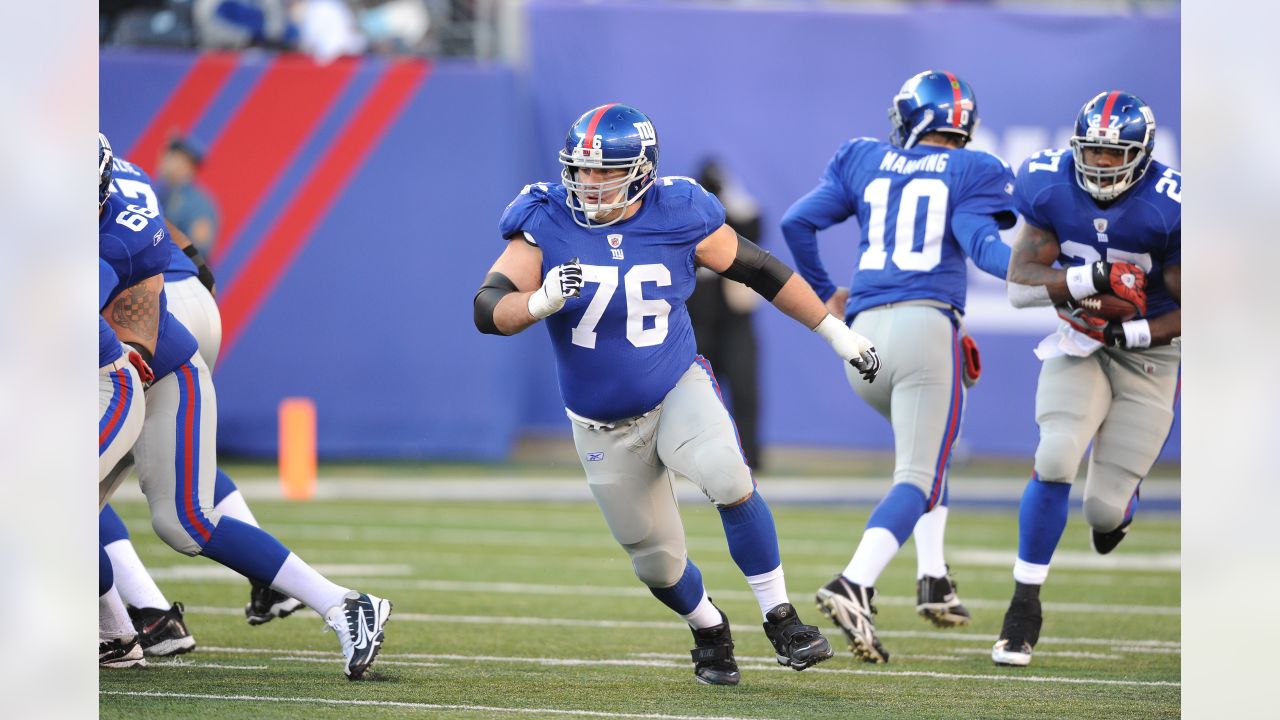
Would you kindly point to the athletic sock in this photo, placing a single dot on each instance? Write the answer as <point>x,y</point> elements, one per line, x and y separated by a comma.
<point>133,582</point>
<point>299,580</point>
<point>686,595</point>
<point>705,615</point>
<point>929,532</point>
<point>752,537</point>
<point>1042,517</point>
<point>888,528</point>
<point>228,500</point>
<point>770,590</point>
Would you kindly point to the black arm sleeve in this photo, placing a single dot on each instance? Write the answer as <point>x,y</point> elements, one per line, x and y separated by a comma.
<point>758,269</point>
<point>496,286</point>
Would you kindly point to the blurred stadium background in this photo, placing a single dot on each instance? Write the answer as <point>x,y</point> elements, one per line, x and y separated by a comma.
<point>358,155</point>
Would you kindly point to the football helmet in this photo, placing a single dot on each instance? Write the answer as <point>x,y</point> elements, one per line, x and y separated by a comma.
<point>105,159</point>
<point>1114,120</point>
<point>933,101</point>
<point>610,137</point>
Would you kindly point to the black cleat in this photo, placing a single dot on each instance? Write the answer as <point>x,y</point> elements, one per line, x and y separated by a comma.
<point>358,622</point>
<point>713,662</point>
<point>797,645</point>
<point>848,605</point>
<point>266,604</point>
<point>162,632</point>
<point>121,653</point>
<point>1105,542</point>
<point>937,602</point>
<point>1021,629</point>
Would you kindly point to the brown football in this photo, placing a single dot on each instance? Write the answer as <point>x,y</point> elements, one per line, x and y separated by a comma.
<point>1109,307</point>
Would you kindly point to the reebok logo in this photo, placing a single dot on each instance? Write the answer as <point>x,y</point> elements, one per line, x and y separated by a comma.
<point>595,457</point>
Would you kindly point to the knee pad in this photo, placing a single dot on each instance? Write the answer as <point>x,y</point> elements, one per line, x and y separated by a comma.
<point>722,473</point>
<point>1102,514</point>
<point>657,567</point>
<point>1058,457</point>
<point>171,531</point>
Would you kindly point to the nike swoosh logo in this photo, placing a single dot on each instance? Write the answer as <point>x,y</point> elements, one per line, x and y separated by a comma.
<point>362,635</point>
<point>146,630</point>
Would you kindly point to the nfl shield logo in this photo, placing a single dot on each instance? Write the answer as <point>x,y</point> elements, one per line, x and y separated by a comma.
<point>1100,224</point>
<point>615,241</point>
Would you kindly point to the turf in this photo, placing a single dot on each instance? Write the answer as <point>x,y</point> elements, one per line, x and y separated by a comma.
<point>531,610</point>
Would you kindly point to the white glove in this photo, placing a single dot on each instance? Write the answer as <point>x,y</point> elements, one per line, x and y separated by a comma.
<point>856,349</point>
<point>562,282</point>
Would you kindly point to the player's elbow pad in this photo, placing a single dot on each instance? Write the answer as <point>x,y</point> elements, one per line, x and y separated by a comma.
<point>1024,296</point>
<point>496,286</point>
<point>756,268</point>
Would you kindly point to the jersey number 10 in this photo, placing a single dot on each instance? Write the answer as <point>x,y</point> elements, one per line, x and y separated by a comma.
<point>905,256</point>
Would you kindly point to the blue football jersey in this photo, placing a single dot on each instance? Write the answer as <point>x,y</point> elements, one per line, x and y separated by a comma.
<point>132,241</point>
<point>108,343</point>
<point>1143,226</point>
<point>920,210</point>
<point>624,344</point>
<point>133,183</point>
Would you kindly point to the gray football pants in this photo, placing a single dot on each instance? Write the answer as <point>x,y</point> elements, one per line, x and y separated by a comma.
<point>919,389</point>
<point>629,465</point>
<point>191,303</point>
<point>1123,401</point>
<point>121,409</point>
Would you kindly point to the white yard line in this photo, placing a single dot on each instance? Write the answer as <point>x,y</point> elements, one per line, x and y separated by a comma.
<point>413,705</point>
<point>1118,644</point>
<point>1014,676</point>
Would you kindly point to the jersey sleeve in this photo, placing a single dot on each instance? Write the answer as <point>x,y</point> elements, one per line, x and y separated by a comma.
<point>1029,197</point>
<point>825,205</point>
<point>988,190</point>
<point>1173,249</point>
<point>522,215</point>
<point>707,209</point>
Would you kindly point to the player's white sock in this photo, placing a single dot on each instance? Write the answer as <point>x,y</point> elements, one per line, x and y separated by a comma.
<point>877,548</point>
<point>704,616</point>
<point>770,589</point>
<point>1030,573</point>
<point>299,580</point>
<point>928,533</point>
<point>234,506</point>
<point>113,618</point>
<point>133,582</point>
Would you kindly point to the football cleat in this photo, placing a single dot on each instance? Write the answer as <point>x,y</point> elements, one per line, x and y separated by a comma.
<point>797,645</point>
<point>937,602</point>
<point>162,632</point>
<point>121,653</point>
<point>848,605</point>
<point>713,662</point>
<point>1105,542</point>
<point>1020,632</point>
<point>358,622</point>
<point>266,604</point>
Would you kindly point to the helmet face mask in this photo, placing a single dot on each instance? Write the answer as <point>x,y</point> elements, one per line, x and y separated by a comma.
<point>105,160</point>
<point>1112,121</point>
<point>610,137</point>
<point>933,101</point>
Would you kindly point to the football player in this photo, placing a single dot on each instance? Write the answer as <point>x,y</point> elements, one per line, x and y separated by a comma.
<point>925,202</point>
<point>1111,217</point>
<point>607,257</point>
<point>175,454</point>
<point>189,287</point>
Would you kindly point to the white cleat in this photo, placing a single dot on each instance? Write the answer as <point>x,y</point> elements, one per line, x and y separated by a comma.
<point>358,622</point>
<point>1007,653</point>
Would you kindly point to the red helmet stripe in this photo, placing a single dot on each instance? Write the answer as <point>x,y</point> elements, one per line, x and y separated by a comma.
<point>955,99</point>
<point>1106,108</point>
<point>588,140</point>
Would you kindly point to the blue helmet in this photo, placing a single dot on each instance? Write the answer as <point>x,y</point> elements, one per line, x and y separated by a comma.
<point>933,101</point>
<point>105,158</point>
<point>1114,120</point>
<point>611,137</point>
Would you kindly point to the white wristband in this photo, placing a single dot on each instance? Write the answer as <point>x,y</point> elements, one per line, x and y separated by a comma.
<point>1137,333</point>
<point>1080,281</point>
<point>541,306</point>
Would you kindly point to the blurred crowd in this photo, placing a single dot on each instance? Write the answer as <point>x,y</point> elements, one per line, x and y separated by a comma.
<point>325,29</point>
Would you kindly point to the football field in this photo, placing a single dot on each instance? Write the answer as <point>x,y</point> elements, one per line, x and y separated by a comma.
<point>529,609</point>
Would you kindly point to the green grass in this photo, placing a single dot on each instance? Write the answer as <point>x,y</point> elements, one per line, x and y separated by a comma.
<point>478,588</point>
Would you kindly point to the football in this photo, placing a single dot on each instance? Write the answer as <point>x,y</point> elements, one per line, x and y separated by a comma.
<point>1108,307</point>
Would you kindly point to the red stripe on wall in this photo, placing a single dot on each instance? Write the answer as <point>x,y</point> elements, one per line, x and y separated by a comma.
<point>294,226</point>
<point>184,107</point>
<point>265,134</point>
